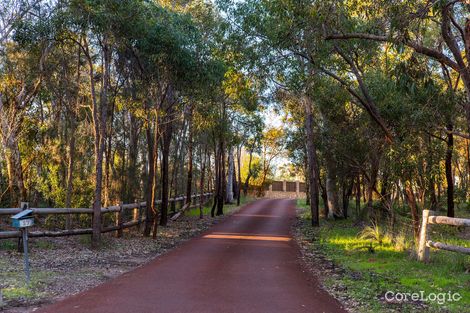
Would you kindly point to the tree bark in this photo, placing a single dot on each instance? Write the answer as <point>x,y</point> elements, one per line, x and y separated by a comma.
<point>223,183</point>
<point>217,154</point>
<point>239,186</point>
<point>99,114</point>
<point>201,182</point>
<point>229,189</point>
<point>358,194</point>
<point>248,177</point>
<point>150,211</point>
<point>331,190</point>
<point>165,169</point>
<point>449,174</point>
<point>312,162</point>
<point>190,157</point>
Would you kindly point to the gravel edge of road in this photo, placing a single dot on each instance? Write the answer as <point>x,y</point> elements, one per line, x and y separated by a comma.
<point>319,266</point>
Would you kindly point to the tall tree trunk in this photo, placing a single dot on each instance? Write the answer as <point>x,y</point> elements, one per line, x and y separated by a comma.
<point>230,172</point>
<point>150,210</point>
<point>449,174</point>
<point>331,190</point>
<point>153,202</point>
<point>15,169</point>
<point>70,169</point>
<point>99,114</point>
<point>358,194</point>
<point>234,181</point>
<point>239,185</point>
<point>217,154</point>
<point>108,157</point>
<point>165,169</point>
<point>223,184</point>
<point>72,112</point>
<point>306,179</point>
<point>312,162</point>
<point>248,177</point>
<point>371,185</point>
<point>132,181</point>
<point>324,196</point>
<point>201,182</point>
<point>347,192</point>
<point>189,182</point>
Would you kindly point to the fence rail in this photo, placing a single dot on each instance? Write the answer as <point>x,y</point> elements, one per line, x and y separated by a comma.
<point>137,218</point>
<point>425,244</point>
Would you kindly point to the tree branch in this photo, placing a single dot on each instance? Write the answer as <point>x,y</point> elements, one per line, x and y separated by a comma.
<point>435,54</point>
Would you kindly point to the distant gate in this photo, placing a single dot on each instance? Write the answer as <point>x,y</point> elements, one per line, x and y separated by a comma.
<point>286,189</point>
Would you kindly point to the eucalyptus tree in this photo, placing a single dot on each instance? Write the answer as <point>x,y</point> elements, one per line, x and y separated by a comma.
<point>438,30</point>
<point>24,47</point>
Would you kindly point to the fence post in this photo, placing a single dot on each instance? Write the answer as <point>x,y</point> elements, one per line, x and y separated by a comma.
<point>119,221</point>
<point>135,211</point>
<point>141,216</point>
<point>423,249</point>
<point>172,205</point>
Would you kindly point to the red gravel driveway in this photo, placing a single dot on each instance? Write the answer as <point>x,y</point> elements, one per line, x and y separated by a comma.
<point>248,263</point>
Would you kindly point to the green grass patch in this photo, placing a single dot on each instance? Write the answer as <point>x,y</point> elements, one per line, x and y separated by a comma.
<point>17,289</point>
<point>391,266</point>
<point>8,244</point>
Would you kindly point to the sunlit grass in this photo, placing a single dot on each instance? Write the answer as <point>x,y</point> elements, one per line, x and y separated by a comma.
<point>391,265</point>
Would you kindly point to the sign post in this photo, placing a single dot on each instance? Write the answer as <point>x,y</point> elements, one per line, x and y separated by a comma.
<point>22,221</point>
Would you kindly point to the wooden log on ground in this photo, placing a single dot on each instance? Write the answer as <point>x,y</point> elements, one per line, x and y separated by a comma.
<point>443,246</point>
<point>449,221</point>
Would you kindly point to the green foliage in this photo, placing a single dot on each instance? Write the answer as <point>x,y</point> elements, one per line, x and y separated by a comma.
<point>373,233</point>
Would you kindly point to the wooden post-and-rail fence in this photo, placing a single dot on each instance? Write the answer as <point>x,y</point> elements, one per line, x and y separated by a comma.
<point>137,217</point>
<point>425,244</point>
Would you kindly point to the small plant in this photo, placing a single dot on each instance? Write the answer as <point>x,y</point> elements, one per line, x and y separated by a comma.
<point>400,243</point>
<point>374,233</point>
